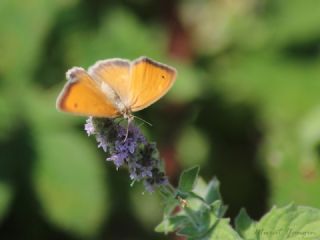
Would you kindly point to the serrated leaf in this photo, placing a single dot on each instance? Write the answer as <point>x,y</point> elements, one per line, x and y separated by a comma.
<point>290,222</point>
<point>188,179</point>
<point>245,226</point>
<point>192,215</point>
<point>218,208</point>
<point>213,191</point>
<point>196,196</point>
<point>203,195</point>
<point>209,217</point>
<point>224,231</point>
<point>209,226</point>
<point>189,231</point>
<point>170,205</point>
<point>171,224</point>
<point>200,222</point>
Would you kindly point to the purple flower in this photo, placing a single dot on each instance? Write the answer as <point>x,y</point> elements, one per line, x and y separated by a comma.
<point>101,139</point>
<point>127,146</point>
<point>118,159</point>
<point>89,127</point>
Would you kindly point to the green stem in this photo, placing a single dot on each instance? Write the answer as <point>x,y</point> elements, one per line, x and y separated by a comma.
<point>167,191</point>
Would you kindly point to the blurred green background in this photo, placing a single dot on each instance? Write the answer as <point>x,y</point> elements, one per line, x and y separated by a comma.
<point>245,107</point>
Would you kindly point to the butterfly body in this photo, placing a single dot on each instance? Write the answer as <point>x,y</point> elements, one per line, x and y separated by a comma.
<point>115,87</point>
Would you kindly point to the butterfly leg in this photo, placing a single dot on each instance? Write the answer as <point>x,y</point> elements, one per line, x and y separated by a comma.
<point>130,119</point>
<point>127,133</point>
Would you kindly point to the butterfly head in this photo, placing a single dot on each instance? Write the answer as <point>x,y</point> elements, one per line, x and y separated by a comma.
<point>127,114</point>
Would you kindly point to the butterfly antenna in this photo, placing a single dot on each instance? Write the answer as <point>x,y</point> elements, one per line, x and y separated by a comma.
<point>141,119</point>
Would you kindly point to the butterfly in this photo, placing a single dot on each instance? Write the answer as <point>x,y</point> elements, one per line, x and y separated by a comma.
<point>115,87</point>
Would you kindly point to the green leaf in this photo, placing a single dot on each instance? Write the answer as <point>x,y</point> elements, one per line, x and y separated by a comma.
<point>213,191</point>
<point>245,226</point>
<point>39,15</point>
<point>5,198</point>
<point>192,195</point>
<point>199,228</point>
<point>290,222</point>
<point>170,205</point>
<point>223,230</point>
<point>170,201</point>
<point>117,26</point>
<point>201,222</point>
<point>192,147</point>
<point>189,231</point>
<point>70,182</point>
<point>294,22</point>
<point>209,226</point>
<point>145,207</point>
<point>218,208</point>
<point>193,216</point>
<point>188,179</point>
<point>203,195</point>
<point>171,224</point>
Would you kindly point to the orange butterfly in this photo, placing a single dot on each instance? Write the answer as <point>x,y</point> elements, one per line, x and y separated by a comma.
<point>115,87</point>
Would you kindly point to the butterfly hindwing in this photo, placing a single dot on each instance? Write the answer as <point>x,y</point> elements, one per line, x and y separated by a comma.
<point>82,96</point>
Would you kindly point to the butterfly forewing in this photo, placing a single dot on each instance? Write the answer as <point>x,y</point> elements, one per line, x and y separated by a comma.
<point>82,96</point>
<point>150,80</point>
<point>115,74</point>
<point>115,87</point>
